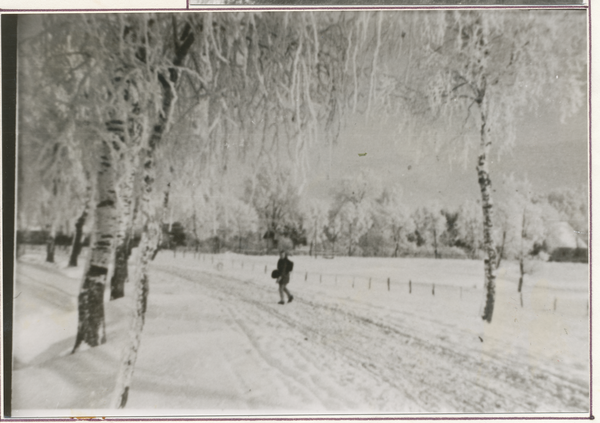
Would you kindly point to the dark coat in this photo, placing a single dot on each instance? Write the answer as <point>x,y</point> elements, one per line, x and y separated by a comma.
<point>285,266</point>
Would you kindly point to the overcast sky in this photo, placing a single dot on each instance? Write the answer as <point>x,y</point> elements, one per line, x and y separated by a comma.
<point>550,154</point>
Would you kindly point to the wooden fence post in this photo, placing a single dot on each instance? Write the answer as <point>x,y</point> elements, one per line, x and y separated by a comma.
<point>433,290</point>
<point>521,299</point>
<point>388,284</point>
<point>409,286</point>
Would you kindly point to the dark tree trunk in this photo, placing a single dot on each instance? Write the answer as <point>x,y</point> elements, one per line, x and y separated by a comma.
<point>435,246</point>
<point>76,249</point>
<point>485,186</point>
<point>521,274</point>
<point>126,205</point>
<point>121,272</point>
<point>50,248</point>
<point>522,254</point>
<point>90,327</point>
<point>161,234</point>
<point>501,249</point>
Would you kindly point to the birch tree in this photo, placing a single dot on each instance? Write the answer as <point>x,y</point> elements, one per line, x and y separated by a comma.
<point>249,65</point>
<point>481,70</point>
<point>124,85</point>
<point>51,171</point>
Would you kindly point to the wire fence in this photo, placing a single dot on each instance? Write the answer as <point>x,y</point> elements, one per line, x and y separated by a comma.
<point>538,298</point>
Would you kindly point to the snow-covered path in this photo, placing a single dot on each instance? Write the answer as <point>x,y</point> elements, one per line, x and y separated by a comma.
<point>218,342</point>
<point>319,353</point>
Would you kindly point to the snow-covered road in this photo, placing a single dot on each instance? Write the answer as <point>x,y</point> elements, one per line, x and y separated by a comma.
<point>216,341</point>
<point>321,353</point>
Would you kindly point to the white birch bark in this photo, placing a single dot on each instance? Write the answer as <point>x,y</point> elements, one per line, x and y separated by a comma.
<point>90,327</point>
<point>125,197</point>
<point>151,227</point>
<point>489,247</point>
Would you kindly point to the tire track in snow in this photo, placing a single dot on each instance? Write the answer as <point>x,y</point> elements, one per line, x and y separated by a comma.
<point>291,378</point>
<point>502,396</point>
<point>415,369</point>
<point>386,393</point>
<point>262,344</point>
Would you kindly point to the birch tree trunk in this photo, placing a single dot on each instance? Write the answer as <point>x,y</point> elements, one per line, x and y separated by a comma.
<point>78,237</point>
<point>90,327</point>
<point>51,244</point>
<point>76,249</point>
<point>521,273</point>
<point>501,249</point>
<point>122,250</point>
<point>522,255</point>
<point>161,232</point>
<point>485,186</point>
<point>195,229</point>
<point>151,227</point>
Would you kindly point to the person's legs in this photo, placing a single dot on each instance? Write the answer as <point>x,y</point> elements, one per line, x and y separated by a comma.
<point>281,289</point>
<point>289,295</point>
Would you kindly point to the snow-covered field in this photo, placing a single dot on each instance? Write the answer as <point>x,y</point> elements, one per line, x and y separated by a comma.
<point>217,342</point>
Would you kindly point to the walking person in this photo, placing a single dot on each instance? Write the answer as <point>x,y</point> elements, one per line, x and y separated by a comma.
<point>284,266</point>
